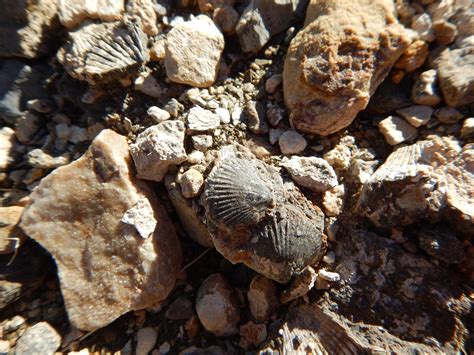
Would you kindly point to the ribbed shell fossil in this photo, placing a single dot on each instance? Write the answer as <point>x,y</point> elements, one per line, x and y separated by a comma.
<point>237,194</point>
<point>105,51</point>
<point>256,219</point>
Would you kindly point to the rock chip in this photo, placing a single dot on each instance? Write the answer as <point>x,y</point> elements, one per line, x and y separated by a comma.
<point>334,65</point>
<point>273,82</point>
<point>72,13</point>
<point>226,18</point>
<point>7,143</point>
<point>417,115</point>
<point>141,216</point>
<point>262,298</point>
<point>467,129</point>
<point>39,339</point>
<point>448,115</point>
<point>422,24</point>
<point>147,84</point>
<point>191,183</point>
<point>396,130</point>
<point>413,57</point>
<point>455,75</point>
<point>311,172</point>
<point>217,307</point>
<point>10,235</point>
<point>291,142</point>
<point>193,52</point>
<point>333,201</point>
<point>301,285</point>
<point>201,120</point>
<point>181,308</point>
<point>202,142</point>
<point>28,29</point>
<point>38,158</point>
<point>102,277</point>
<point>157,148</point>
<point>424,90</point>
<point>146,340</point>
<point>252,334</point>
<point>262,19</point>
<point>145,11</point>
<point>26,127</point>
<point>157,114</point>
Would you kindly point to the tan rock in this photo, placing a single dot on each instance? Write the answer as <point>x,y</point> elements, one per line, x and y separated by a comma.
<point>252,334</point>
<point>417,115</point>
<point>262,298</point>
<point>7,142</point>
<point>396,130</point>
<point>191,183</point>
<point>143,9</point>
<point>301,285</point>
<point>10,235</point>
<point>105,267</point>
<point>413,57</point>
<point>193,52</point>
<point>217,307</point>
<point>72,13</point>
<point>337,61</point>
<point>333,201</point>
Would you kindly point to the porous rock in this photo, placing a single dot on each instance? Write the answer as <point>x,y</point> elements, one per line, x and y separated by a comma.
<point>336,62</point>
<point>157,148</point>
<point>311,172</point>
<point>256,219</point>
<point>28,28</point>
<point>102,52</point>
<point>41,338</point>
<point>262,19</point>
<point>456,75</point>
<point>217,307</point>
<point>193,51</point>
<point>72,13</point>
<point>102,277</point>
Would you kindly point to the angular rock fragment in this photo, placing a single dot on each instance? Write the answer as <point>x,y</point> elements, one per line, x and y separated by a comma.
<point>396,130</point>
<point>311,172</point>
<point>105,267</point>
<point>417,115</point>
<point>263,19</point>
<point>102,52</point>
<point>427,180</point>
<point>456,75</point>
<point>335,63</point>
<point>157,148</point>
<point>424,90</point>
<point>28,28</point>
<point>73,13</point>
<point>191,183</point>
<point>217,307</point>
<point>41,338</point>
<point>7,142</point>
<point>300,286</point>
<point>201,120</point>
<point>10,235</point>
<point>262,298</point>
<point>193,51</point>
<point>256,219</point>
<point>144,10</point>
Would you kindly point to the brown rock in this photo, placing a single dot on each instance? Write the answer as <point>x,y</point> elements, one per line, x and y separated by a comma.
<point>217,307</point>
<point>10,235</point>
<point>253,334</point>
<point>301,285</point>
<point>262,298</point>
<point>105,267</point>
<point>413,57</point>
<point>72,13</point>
<point>337,61</point>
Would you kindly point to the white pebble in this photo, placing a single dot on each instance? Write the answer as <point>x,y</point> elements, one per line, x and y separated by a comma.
<point>329,276</point>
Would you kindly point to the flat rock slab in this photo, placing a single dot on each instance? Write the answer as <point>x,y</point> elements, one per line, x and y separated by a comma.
<point>105,267</point>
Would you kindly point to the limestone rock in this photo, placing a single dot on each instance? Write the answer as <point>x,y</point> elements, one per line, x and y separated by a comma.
<point>311,172</point>
<point>7,142</point>
<point>336,62</point>
<point>147,84</point>
<point>141,216</point>
<point>10,235</point>
<point>72,13</point>
<point>291,142</point>
<point>263,19</point>
<point>202,142</point>
<point>417,115</point>
<point>262,298</point>
<point>26,127</point>
<point>28,28</point>
<point>144,10</point>
<point>455,74</point>
<point>217,307</point>
<point>102,52</point>
<point>40,339</point>
<point>333,201</point>
<point>396,130</point>
<point>193,52</point>
<point>102,277</point>
<point>201,120</point>
<point>157,148</point>
<point>191,183</point>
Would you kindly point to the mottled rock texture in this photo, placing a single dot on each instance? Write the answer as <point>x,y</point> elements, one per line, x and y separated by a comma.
<point>105,267</point>
<point>335,63</point>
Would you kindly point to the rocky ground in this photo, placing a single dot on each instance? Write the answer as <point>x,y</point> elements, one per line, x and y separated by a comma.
<point>225,176</point>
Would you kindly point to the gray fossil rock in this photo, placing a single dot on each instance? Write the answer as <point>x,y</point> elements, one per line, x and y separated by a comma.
<point>257,219</point>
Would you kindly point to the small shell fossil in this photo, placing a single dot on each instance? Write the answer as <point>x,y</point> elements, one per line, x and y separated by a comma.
<point>237,194</point>
<point>201,120</point>
<point>104,51</point>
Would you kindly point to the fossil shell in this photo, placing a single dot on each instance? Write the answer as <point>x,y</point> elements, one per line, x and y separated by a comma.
<point>201,120</point>
<point>237,194</point>
<point>105,51</point>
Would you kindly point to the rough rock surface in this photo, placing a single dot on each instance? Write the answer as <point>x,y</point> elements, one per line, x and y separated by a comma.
<point>311,172</point>
<point>28,28</point>
<point>262,19</point>
<point>396,130</point>
<point>262,298</point>
<point>157,148</point>
<point>72,13</point>
<point>39,339</point>
<point>144,10</point>
<point>425,91</point>
<point>456,75</point>
<point>10,235</point>
<point>201,120</point>
<point>335,63</point>
<point>427,180</point>
<point>217,307</point>
<point>193,52</point>
<point>102,277</point>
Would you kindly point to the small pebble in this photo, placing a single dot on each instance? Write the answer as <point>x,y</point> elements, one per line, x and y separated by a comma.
<point>273,82</point>
<point>424,90</point>
<point>41,338</point>
<point>333,200</point>
<point>191,183</point>
<point>396,130</point>
<point>157,114</point>
<point>330,257</point>
<point>202,142</point>
<point>165,348</point>
<point>292,142</point>
<point>224,115</point>
<point>417,115</point>
<point>467,129</point>
<point>195,157</point>
<point>329,276</point>
<point>448,115</point>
